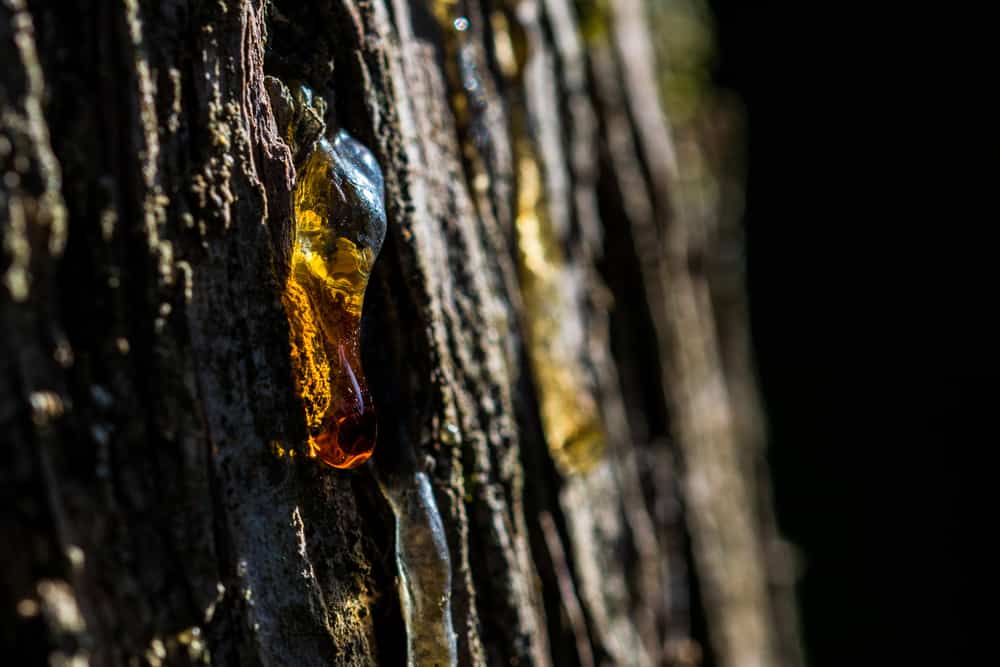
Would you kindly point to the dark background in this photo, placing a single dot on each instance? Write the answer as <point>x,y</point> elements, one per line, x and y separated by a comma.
<point>869,298</point>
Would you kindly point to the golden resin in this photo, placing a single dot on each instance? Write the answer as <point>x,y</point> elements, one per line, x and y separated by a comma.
<point>339,228</point>
<point>570,416</point>
<point>556,341</point>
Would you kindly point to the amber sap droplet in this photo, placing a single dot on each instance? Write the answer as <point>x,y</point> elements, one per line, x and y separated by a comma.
<point>339,229</point>
<point>570,415</point>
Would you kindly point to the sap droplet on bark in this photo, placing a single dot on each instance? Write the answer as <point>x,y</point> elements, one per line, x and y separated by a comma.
<point>339,229</point>
<point>570,415</point>
<point>424,567</point>
<point>551,292</point>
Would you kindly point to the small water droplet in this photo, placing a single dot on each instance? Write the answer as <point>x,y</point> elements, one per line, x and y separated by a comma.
<point>101,396</point>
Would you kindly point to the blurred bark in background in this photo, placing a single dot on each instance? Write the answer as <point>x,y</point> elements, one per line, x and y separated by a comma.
<point>563,190</point>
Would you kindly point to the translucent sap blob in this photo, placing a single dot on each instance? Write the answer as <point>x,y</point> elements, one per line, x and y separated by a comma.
<point>570,415</point>
<point>339,229</point>
<point>424,571</point>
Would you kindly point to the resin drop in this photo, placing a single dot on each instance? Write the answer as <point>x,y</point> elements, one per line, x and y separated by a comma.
<point>339,229</point>
<point>570,415</point>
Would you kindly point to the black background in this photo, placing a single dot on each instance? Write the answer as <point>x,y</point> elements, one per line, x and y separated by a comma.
<point>870,295</point>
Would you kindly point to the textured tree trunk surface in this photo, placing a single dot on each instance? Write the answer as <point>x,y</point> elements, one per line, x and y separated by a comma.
<point>158,505</point>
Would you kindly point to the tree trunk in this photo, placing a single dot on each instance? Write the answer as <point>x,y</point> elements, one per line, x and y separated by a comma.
<point>546,264</point>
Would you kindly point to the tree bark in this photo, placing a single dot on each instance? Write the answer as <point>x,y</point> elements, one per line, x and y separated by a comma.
<point>159,503</point>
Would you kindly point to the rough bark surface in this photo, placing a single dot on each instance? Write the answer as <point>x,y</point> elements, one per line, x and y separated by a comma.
<point>158,508</point>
